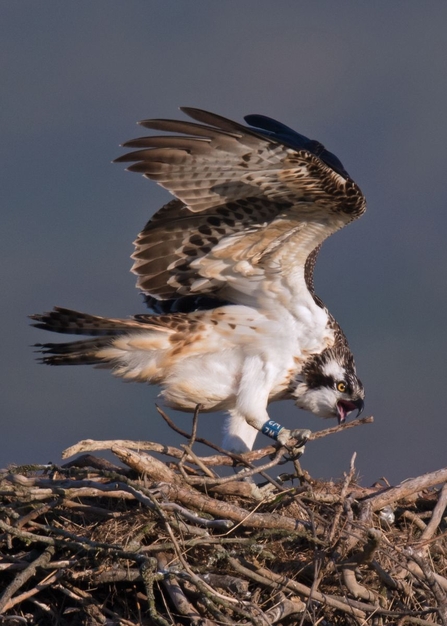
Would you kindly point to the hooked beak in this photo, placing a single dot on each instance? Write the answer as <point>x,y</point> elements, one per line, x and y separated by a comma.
<point>344,407</point>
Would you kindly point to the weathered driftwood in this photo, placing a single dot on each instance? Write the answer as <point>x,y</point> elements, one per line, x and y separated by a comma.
<point>170,541</point>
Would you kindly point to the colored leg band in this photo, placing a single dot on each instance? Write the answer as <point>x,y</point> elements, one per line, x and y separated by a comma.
<point>271,429</point>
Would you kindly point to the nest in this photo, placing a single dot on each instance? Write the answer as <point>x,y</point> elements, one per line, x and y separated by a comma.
<point>162,538</point>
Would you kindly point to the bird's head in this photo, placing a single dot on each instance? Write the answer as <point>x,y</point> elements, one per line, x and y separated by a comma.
<point>328,385</point>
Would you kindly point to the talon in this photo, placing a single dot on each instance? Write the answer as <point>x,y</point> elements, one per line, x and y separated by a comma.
<point>301,435</point>
<point>294,453</point>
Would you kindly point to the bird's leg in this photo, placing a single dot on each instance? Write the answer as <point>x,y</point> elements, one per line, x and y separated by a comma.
<point>238,435</point>
<point>272,429</point>
<point>252,399</point>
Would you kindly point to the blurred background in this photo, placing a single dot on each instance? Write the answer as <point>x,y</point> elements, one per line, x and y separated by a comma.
<point>366,79</point>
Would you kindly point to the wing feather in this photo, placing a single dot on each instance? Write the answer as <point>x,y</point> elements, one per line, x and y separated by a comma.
<point>251,204</point>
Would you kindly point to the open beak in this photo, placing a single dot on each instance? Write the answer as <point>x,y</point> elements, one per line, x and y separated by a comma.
<point>344,407</point>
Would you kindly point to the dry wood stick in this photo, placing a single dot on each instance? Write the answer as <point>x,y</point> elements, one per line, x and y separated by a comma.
<point>436,588</point>
<point>235,459</point>
<point>413,517</point>
<point>389,580</point>
<point>80,543</point>
<point>210,595</point>
<point>406,489</point>
<point>189,497</point>
<point>24,576</point>
<point>339,507</point>
<point>100,576</point>
<point>150,576</point>
<point>21,565</point>
<point>89,461</point>
<point>245,473</point>
<point>319,434</point>
<point>195,578</point>
<point>276,581</point>
<point>354,587</point>
<point>41,510</point>
<point>436,517</point>
<point>250,611</point>
<point>284,608</point>
<point>146,464</point>
<point>90,445</point>
<point>198,461</point>
<point>47,582</point>
<point>330,600</point>
<point>26,536</point>
<point>226,458</point>
<point>85,599</point>
<point>224,581</point>
<point>225,510</point>
<point>192,438</point>
<point>183,606</point>
<point>411,619</point>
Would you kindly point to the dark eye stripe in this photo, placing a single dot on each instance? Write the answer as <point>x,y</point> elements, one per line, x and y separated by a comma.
<point>315,380</point>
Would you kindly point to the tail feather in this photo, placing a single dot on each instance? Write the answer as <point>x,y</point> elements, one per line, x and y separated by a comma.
<point>74,353</point>
<point>130,346</point>
<point>61,320</point>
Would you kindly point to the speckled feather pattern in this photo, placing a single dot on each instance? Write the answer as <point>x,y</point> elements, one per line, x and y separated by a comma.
<point>176,252</point>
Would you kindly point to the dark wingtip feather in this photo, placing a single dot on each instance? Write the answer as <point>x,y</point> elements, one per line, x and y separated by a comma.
<point>270,124</point>
<point>276,130</point>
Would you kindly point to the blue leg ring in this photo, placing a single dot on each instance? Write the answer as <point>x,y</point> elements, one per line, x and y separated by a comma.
<point>271,429</point>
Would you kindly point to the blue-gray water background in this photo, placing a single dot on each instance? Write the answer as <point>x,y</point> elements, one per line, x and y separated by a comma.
<point>368,80</point>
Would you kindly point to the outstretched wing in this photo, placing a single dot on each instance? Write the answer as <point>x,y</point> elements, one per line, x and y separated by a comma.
<point>252,205</point>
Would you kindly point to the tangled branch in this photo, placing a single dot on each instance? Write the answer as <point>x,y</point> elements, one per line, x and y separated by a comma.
<point>170,541</point>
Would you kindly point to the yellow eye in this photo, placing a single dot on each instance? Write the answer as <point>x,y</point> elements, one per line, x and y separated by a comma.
<point>341,386</point>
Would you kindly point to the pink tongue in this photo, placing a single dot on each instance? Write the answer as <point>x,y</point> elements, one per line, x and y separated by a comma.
<point>342,412</point>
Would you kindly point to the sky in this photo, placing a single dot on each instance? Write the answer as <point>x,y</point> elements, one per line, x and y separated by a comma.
<point>367,80</point>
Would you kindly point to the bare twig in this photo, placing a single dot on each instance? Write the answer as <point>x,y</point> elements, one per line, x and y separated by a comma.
<point>23,577</point>
<point>341,427</point>
<point>346,482</point>
<point>47,582</point>
<point>178,597</point>
<point>439,594</point>
<point>226,458</point>
<point>266,577</point>
<point>406,489</point>
<point>436,517</point>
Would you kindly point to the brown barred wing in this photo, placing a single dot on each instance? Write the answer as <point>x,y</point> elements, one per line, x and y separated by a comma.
<point>247,204</point>
<point>175,250</point>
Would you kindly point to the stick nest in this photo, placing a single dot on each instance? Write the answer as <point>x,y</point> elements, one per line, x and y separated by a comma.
<point>164,538</point>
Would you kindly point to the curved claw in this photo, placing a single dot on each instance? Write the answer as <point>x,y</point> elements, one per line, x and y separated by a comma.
<point>293,454</point>
<point>299,436</point>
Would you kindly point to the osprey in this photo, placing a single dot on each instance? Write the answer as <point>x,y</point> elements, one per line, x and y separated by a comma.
<point>227,269</point>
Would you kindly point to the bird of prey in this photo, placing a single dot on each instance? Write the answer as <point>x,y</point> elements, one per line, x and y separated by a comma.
<point>227,269</point>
